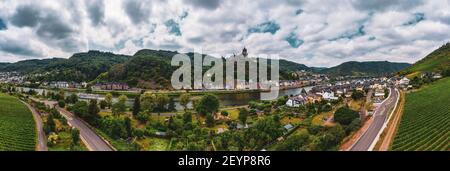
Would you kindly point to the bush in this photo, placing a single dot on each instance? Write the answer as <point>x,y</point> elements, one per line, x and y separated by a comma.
<point>224,113</point>
<point>345,115</point>
<point>61,103</point>
<point>142,117</point>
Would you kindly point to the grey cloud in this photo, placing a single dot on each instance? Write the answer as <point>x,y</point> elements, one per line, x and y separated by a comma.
<point>26,16</point>
<point>381,5</point>
<point>49,26</point>
<point>136,11</point>
<point>19,48</point>
<point>53,27</point>
<point>196,40</point>
<point>96,11</point>
<point>207,4</point>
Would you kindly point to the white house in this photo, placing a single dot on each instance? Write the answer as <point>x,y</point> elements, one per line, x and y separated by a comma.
<point>404,81</point>
<point>296,101</point>
<point>329,96</point>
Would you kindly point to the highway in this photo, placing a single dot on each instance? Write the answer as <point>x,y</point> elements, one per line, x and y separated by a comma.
<point>380,117</point>
<point>93,141</point>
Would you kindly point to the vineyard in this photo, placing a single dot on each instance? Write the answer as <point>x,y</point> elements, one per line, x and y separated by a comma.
<point>17,127</point>
<point>425,125</point>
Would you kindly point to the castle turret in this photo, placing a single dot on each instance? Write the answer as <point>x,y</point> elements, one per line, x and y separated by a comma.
<point>244,52</point>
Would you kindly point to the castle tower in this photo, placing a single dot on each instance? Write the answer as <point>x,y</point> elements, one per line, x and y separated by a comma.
<point>244,52</point>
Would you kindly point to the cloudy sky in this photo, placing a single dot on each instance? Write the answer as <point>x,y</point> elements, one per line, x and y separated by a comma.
<point>316,32</point>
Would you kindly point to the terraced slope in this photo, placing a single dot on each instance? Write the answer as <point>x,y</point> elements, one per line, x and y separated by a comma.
<point>425,125</point>
<point>17,127</point>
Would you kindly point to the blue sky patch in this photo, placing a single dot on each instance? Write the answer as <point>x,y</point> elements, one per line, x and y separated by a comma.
<point>352,34</point>
<point>174,27</point>
<point>3,25</point>
<point>294,41</point>
<point>267,27</point>
<point>418,17</point>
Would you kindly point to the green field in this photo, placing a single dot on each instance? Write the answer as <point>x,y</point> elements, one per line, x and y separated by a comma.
<point>425,125</point>
<point>17,127</point>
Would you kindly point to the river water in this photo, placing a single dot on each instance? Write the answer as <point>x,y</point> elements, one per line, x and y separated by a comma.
<point>232,99</point>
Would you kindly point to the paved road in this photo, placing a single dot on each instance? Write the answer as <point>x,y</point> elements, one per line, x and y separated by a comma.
<point>380,116</point>
<point>42,139</point>
<point>93,141</point>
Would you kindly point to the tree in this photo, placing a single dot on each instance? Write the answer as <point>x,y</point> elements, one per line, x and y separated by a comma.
<point>60,95</point>
<point>265,130</point>
<point>243,115</point>
<point>80,109</point>
<point>187,117</point>
<point>120,107</point>
<point>171,106</point>
<point>356,95</point>
<point>148,102</point>
<point>61,103</point>
<point>355,125</point>
<point>209,120</point>
<point>88,89</point>
<point>282,100</point>
<point>345,115</point>
<point>75,136</point>
<point>108,99</point>
<point>161,101</point>
<point>128,128</point>
<point>93,111</point>
<point>50,126</point>
<point>296,142</point>
<point>72,99</point>
<point>184,100</point>
<point>137,105</point>
<point>208,104</point>
<point>142,117</point>
<point>103,104</point>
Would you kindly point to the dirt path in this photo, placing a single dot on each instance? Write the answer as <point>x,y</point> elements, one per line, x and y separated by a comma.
<point>393,125</point>
<point>41,138</point>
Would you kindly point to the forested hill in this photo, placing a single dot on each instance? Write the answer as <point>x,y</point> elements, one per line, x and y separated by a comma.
<point>371,68</point>
<point>83,66</point>
<point>79,67</point>
<point>28,66</point>
<point>152,69</point>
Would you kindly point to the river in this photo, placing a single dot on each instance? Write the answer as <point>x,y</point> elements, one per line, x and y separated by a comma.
<point>231,99</point>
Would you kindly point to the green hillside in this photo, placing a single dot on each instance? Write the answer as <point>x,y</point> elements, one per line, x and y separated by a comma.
<point>436,61</point>
<point>146,69</point>
<point>371,68</point>
<point>425,124</point>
